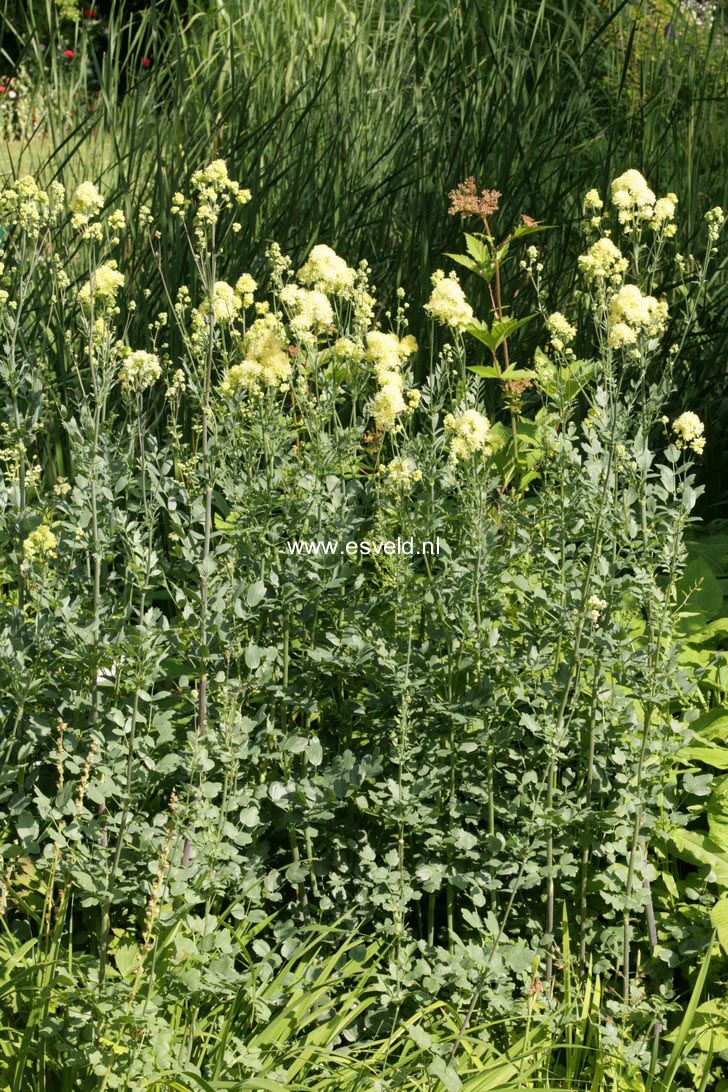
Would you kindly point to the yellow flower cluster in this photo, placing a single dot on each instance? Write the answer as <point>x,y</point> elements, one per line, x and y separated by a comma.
<point>266,362</point>
<point>715,219</point>
<point>592,201</point>
<point>325,271</point>
<point>139,370</point>
<point>224,303</point>
<point>40,543</point>
<point>245,287</point>
<point>348,350</point>
<point>309,309</point>
<point>595,606</point>
<point>389,403</point>
<point>689,431</point>
<point>86,203</point>
<point>387,353</point>
<point>633,315</point>
<point>632,197</point>
<point>29,206</point>
<point>101,290</point>
<point>177,384</point>
<point>603,261</point>
<point>636,203</point>
<point>469,433</point>
<point>447,304</point>
<point>213,190</point>
<point>663,215</point>
<point>561,331</point>
<point>401,473</point>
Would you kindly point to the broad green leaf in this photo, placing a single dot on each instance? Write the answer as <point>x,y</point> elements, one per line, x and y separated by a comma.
<point>700,592</point>
<point>719,921</point>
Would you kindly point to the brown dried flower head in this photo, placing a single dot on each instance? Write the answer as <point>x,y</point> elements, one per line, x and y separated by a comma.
<point>517,386</point>
<point>466,201</point>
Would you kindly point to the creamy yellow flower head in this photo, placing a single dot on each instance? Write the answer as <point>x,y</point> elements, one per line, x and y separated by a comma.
<point>632,197</point>
<point>86,203</point>
<point>265,346</point>
<point>663,215</point>
<point>248,375</point>
<point>139,370</point>
<point>325,271</point>
<point>561,331</point>
<point>310,310</point>
<point>448,304</point>
<point>346,349</point>
<point>469,433</point>
<point>389,402</point>
<point>689,432</point>
<point>631,310</point>
<point>592,201</point>
<point>40,544</point>
<point>603,261</point>
<point>245,287</point>
<point>715,219</point>
<point>24,203</point>
<point>103,287</point>
<point>595,606</point>
<point>224,303</point>
<point>213,183</point>
<point>401,473</point>
<point>213,190</point>
<point>387,352</point>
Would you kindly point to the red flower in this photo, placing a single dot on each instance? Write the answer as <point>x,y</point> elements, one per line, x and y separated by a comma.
<point>146,63</point>
<point>89,13</point>
<point>3,89</point>
<point>68,53</point>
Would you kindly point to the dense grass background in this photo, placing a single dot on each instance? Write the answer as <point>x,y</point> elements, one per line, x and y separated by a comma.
<point>350,123</point>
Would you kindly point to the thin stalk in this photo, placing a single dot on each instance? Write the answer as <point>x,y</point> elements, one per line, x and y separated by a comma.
<point>587,805</point>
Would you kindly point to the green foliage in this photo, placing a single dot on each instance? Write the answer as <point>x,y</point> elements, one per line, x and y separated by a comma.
<point>273,816</point>
<point>211,719</point>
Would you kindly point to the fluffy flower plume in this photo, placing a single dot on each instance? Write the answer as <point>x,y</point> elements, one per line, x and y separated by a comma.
<point>245,288</point>
<point>592,201</point>
<point>310,310</point>
<point>139,370</point>
<point>401,473</point>
<point>664,214</point>
<point>689,432</point>
<point>224,303</point>
<point>31,207</point>
<point>595,606</point>
<point>465,201</point>
<point>469,433</point>
<point>266,362</point>
<point>40,543</point>
<point>102,288</point>
<point>325,271</point>
<point>633,315</point>
<point>561,331</point>
<point>387,352</point>
<point>389,402</point>
<point>86,203</point>
<point>447,304</point>
<point>632,197</point>
<point>603,261</point>
<point>213,190</point>
<point>715,219</point>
